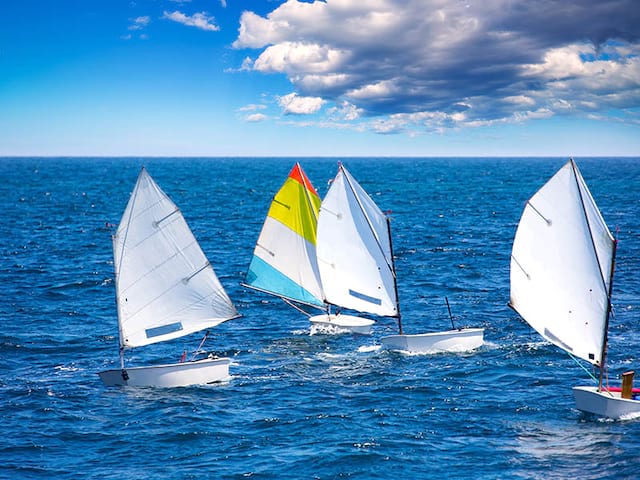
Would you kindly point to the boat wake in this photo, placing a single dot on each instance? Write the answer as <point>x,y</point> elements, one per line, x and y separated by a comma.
<point>630,416</point>
<point>369,348</point>
<point>323,329</point>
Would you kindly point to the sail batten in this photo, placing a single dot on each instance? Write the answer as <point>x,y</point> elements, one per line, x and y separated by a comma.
<point>284,260</point>
<point>560,266</point>
<point>154,252</point>
<point>354,254</point>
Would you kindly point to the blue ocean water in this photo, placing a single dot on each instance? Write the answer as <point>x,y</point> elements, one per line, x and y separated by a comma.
<point>303,406</point>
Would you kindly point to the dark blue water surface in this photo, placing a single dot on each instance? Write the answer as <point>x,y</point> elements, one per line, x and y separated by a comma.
<point>303,406</point>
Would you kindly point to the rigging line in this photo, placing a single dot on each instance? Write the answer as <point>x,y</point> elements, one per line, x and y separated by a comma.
<point>258,289</point>
<point>593,377</point>
<point>293,305</point>
<point>353,191</point>
<point>204,339</point>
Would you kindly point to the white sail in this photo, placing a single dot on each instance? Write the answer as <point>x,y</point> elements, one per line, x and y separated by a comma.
<point>353,249</point>
<point>165,286</point>
<point>561,266</point>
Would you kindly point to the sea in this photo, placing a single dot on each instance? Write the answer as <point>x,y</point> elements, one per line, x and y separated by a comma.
<point>303,404</point>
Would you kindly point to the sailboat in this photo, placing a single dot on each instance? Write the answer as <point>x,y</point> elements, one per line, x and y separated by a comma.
<point>284,260</point>
<point>562,265</point>
<point>353,252</point>
<point>357,269</point>
<point>165,289</point>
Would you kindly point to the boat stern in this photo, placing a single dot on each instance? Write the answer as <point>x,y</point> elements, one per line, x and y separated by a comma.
<point>604,403</point>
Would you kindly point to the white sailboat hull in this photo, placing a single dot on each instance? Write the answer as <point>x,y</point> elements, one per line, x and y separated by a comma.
<point>201,372</point>
<point>346,323</point>
<point>605,404</point>
<point>450,341</point>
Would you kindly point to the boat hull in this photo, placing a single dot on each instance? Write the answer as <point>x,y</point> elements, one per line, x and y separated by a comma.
<point>450,341</point>
<point>343,323</point>
<point>201,372</point>
<point>605,404</point>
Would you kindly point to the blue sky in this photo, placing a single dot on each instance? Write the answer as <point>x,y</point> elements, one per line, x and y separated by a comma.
<point>331,78</point>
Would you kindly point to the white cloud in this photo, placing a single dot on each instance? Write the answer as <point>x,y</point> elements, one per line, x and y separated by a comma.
<point>255,117</point>
<point>372,91</point>
<point>201,20</point>
<point>346,111</point>
<point>252,108</point>
<point>466,63</point>
<point>139,23</point>
<point>247,64</point>
<point>520,100</point>
<point>292,57</point>
<point>295,104</point>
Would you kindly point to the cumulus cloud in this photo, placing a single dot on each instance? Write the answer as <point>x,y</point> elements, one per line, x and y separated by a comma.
<point>255,117</point>
<point>295,104</point>
<point>252,107</point>
<point>139,23</point>
<point>445,63</point>
<point>201,20</point>
<point>345,111</point>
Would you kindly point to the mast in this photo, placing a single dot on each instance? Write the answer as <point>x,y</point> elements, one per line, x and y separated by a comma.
<point>608,314</point>
<point>120,340</point>
<point>327,306</point>
<point>116,272</point>
<point>605,333</point>
<point>395,278</point>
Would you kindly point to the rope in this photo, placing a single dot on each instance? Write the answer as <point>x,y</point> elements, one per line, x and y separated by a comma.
<point>593,377</point>
<point>204,339</point>
<point>291,304</point>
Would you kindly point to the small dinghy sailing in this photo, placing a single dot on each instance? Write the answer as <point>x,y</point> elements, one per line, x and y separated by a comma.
<point>354,255</point>
<point>165,289</point>
<point>284,262</point>
<point>562,266</point>
<point>357,269</point>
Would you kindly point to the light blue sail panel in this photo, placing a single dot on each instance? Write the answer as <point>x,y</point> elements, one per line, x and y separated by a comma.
<point>263,276</point>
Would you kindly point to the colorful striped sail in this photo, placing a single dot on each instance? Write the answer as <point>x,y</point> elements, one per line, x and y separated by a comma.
<point>284,260</point>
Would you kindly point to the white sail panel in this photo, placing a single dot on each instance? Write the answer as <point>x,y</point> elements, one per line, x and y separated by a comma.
<point>165,285</point>
<point>293,260</point>
<point>354,253</point>
<point>602,238</point>
<point>559,277</point>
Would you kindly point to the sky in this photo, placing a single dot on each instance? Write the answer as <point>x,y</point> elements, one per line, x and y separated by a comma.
<point>319,78</point>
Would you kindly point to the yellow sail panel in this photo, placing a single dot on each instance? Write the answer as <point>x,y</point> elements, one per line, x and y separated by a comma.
<point>296,205</point>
